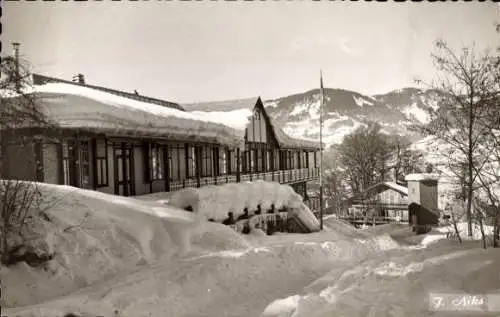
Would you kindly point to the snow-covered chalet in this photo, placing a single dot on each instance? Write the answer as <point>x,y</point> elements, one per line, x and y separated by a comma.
<point>415,204</point>
<point>127,144</point>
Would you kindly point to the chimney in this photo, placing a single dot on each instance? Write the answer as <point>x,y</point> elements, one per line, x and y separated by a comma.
<point>15,45</point>
<point>79,78</point>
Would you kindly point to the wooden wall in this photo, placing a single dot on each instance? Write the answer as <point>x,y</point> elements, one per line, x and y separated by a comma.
<point>390,196</point>
<point>19,162</point>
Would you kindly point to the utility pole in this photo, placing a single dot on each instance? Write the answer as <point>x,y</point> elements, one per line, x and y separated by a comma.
<point>322,101</point>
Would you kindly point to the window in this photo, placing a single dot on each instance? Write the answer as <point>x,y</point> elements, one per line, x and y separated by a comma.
<point>101,170</point>
<point>311,159</point>
<point>84,163</point>
<point>157,162</point>
<point>206,161</point>
<point>244,161</point>
<point>252,161</point>
<point>256,115</point>
<point>256,127</point>
<point>259,160</point>
<point>232,166</point>
<point>282,160</point>
<point>75,163</point>
<point>268,160</point>
<point>65,160</point>
<point>223,161</point>
<point>191,161</point>
<point>241,160</point>
<point>175,162</point>
<point>276,165</point>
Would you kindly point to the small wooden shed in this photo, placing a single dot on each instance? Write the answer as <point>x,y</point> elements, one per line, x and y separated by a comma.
<point>421,218</point>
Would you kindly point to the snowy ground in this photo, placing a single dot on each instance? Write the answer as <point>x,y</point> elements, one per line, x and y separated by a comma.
<point>124,262</point>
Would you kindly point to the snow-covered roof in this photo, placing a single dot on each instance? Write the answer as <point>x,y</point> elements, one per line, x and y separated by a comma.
<point>287,141</point>
<point>93,108</point>
<point>401,189</point>
<point>378,188</point>
<point>422,177</point>
<point>86,108</point>
<point>224,105</point>
<point>240,110</point>
<point>42,79</point>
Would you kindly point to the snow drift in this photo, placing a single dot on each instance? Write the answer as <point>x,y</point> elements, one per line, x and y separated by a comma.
<point>239,281</point>
<point>338,271</point>
<point>215,202</point>
<point>396,283</point>
<point>96,236</point>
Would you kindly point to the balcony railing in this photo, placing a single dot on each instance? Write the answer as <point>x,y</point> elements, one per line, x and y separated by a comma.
<point>283,177</point>
<point>384,205</point>
<point>375,219</point>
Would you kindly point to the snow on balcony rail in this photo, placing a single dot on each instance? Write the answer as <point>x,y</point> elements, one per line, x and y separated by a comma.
<point>262,220</point>
<point>216,202</point>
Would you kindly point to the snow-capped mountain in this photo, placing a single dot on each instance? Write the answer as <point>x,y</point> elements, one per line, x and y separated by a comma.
<point>346,110</point>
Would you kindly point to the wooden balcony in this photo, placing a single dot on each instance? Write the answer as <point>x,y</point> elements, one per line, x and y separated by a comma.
<point>376,220</point>
<point>383,205</point>
<point>283,177</point>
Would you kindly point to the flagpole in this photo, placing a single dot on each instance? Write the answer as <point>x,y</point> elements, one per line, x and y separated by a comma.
<point>322,100</point>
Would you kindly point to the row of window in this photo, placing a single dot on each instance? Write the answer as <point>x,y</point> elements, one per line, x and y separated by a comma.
<point>210,161</point>
<point>187,161</point>
<point>75,167</point>
<point>258,160</point>
<point>178,162</point>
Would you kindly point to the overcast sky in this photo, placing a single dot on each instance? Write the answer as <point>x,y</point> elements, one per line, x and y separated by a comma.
<point>202,51</point>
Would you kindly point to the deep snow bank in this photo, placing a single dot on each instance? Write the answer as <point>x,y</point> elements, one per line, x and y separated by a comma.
<point>397,283</point>
<point>95,236</point>
<point>217,282</point>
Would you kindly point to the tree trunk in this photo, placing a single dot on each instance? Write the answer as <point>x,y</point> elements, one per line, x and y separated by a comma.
<point>470,167</point>
<point>496,229</point>
<point>456,228</point>
<point>481,227</point>
<point>469,205</point>
<point>5,257</point>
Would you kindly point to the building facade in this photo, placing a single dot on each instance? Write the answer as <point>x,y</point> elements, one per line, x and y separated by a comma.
<point>416,204</point>
<point>122,157</point>
<point>385,200</point>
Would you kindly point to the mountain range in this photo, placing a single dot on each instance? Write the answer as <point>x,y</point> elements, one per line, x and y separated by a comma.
<point>345,110</point>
